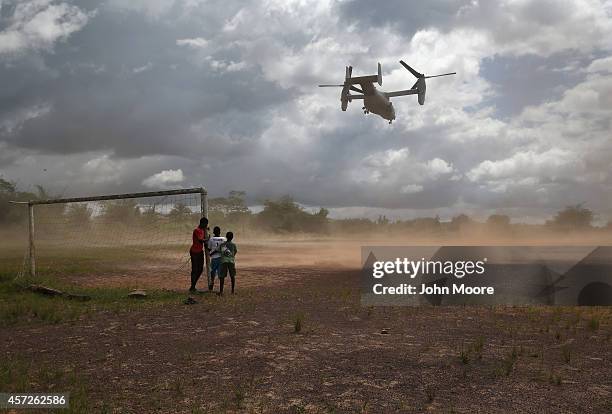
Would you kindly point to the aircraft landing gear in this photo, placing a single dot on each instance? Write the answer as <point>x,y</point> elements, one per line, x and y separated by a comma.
<point>390,122</point>
<point>365,111</point>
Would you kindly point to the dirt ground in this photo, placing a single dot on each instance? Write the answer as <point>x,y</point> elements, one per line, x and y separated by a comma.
<point>296,339</point>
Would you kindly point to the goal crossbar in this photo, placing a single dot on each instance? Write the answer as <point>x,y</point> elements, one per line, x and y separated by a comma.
<point>195,190</point>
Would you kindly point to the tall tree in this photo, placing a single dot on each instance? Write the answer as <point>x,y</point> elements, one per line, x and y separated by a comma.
<point>575,217</point>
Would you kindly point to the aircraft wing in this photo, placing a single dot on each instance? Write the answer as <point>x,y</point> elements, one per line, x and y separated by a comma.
<point>402,93</point>
<point>351,97</point>
<point>367,88</point>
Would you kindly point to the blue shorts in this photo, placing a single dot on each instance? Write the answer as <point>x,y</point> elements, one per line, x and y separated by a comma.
<point>215,266</point>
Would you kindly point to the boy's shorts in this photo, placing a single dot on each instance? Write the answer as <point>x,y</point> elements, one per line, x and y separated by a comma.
<point>225,267</point>
<point>215,265</point>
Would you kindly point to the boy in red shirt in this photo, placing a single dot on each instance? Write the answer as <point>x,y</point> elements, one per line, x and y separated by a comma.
<point>197,252</point>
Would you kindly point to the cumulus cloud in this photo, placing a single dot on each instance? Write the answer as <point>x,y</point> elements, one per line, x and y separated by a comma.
<point>39,24</point>
<point>103,169</point>
<point>601,65</point>
<point>164,179</point>
<point>196,42</point>
<point>143,68</point>
<point>529,164</point>
<point>437,167</point>
<point>411,188</point>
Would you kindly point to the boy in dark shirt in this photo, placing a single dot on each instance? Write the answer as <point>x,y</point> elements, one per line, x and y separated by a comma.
<point>228,261</point>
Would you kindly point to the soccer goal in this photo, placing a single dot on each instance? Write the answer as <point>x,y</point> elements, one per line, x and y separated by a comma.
<point>123,236</point>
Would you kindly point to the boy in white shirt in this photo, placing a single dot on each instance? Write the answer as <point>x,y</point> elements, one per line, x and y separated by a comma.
<point>214,247</point>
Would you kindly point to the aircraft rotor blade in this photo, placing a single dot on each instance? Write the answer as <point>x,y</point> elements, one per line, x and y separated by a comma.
<point>414,72</point>
<point>444,74</point>
<point>331,86</point>
<point>356,89</point>
<point>415,85</point>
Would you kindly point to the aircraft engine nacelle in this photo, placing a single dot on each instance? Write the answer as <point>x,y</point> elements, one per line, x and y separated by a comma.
<point>344,97</point>
<point>422,88</point>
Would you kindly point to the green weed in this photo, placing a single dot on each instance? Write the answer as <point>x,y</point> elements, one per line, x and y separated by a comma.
<point>464,357</point>
<point>507,365</point>
<point>297,324</point>
<point>566,351</point>
<point>594,323</point>
<point>554,378</point>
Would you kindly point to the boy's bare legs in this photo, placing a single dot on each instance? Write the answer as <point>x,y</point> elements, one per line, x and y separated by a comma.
<point>225,269</point>
<point>222,282</point>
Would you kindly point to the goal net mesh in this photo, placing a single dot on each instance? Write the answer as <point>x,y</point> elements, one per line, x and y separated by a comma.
<point>135,242</point>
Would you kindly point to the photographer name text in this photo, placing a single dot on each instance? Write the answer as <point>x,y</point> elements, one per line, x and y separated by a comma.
<point>424,289</point>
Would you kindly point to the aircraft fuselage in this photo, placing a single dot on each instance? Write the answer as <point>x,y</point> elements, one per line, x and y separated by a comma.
<point>377,103</point>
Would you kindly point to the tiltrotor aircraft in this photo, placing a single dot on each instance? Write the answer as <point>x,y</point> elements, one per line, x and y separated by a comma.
<point>375,101</point>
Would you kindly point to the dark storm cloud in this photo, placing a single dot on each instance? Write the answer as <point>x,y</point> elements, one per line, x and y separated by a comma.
<point>436,13</point>
<point>100,101</point>
<point>530,80</point>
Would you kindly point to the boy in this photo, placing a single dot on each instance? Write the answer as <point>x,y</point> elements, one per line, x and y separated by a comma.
<point>196,252</point>
<point>214,246</point>
<point>228,261</point>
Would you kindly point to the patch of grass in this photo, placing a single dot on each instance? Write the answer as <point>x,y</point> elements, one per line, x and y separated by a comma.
<point>554,378</point>
<point>533,353</point>
<point>196,409</point>
<point>239,396</point>
<point>20,305</point>
<point>507,365</point>
<point>298,408</point>
<point>18,375</point>
<point>557,311</point>
<point>475,348</point>
<point>106,409</point>
<point>464,356</point>
<point>177,387</point>
<point>78,400</point>
<point>478,346</point>
<point>298,322</point>
<point>594,323</point>
<point>566,351</point>
<point>13,375</point>
<point>330,407</point>
<point>430,393</point>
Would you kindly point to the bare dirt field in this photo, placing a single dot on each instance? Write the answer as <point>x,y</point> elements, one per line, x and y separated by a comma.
<point>296,339</point>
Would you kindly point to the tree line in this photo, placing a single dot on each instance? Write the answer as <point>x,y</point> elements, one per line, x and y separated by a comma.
<point>280,216</point>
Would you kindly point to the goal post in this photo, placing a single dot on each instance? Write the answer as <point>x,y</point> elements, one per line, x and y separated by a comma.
<point>95,210</point>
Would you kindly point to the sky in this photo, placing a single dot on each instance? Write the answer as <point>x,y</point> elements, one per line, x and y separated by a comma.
<point>113,96</point>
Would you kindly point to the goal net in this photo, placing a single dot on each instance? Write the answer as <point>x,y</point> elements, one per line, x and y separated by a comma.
<point>132,240</point>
